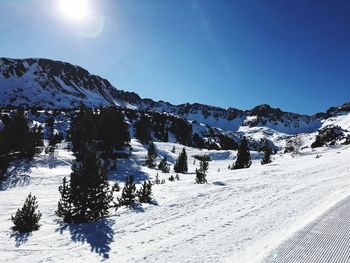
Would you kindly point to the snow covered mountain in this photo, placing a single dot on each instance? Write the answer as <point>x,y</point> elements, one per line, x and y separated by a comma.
<point>238,216</point>
<point>54,84</point>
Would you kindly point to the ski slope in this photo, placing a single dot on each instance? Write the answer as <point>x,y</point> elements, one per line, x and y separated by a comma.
<point>324,240</point>
<point>239,216</point>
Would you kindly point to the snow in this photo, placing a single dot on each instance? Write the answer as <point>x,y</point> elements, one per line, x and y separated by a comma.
<point>329,233</point>
<point>342,120</point>
<point>239,216</point>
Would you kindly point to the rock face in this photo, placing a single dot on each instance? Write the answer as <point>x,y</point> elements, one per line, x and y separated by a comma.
<point>55,84</point>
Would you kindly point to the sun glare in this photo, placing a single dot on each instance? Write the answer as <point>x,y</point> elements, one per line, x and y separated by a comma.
<point>74,9</point>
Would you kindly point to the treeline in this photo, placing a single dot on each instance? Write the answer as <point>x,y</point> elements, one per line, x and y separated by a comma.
<point>18,140</point>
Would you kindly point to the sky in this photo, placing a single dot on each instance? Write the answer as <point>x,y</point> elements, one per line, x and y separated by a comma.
<point>294,55</point>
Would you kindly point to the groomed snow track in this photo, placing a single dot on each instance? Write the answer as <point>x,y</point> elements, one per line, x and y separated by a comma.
<point>327,239</point>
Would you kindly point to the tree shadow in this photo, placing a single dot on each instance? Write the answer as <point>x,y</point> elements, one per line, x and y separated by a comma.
<point>168,156</point>
<point>21,238</point>
<point>50,160</point>
<point>17,175</point>
<point>99,235</point>
<point>127,167</point>
<point>137,208</point>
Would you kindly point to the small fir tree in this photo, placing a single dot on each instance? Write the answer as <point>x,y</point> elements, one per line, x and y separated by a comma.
<point>243,156</point>
<point>144,194</point>
<point>27,218</point>
<point>157,181</point>
<point>116,187</point>
<point>201,173</point>
<point>151,156</point>
<point>128,193</point>
<point>65,207</point>
<point>181,165</point>
<point>163,166</point>
<point>173,149</point>
<point>267,155</point>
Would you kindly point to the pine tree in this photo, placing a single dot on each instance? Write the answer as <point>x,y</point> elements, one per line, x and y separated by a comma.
<point>17,137</point>
<point>204,164</point>
<point>157,181</point>
<point>243,155</point>
<point>201,173</point>
<point>145,192</point>
<point>143,128</point>
<point>267,155</point>
<point>83,129</point>
<point>173,149</point>
<point>112,128</point>
<point>128,193</point>
<point>88,193</point>
<point>65,207</point>
<point>116,187</point>
<point>4,163</point>
<point>27,218</point>
<point>163,166</point>
<point>151,155</point>
<point>181,163</point>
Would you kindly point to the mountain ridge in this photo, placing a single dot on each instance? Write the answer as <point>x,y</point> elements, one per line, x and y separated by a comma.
<point>56,84</point>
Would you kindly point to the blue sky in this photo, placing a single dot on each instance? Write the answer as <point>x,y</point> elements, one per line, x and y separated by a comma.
<point>290,54</point>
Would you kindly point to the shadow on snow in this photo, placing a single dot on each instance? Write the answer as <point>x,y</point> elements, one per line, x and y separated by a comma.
<point>99,235</point>
<point>21,238</point>
<point>127,167</point>
<point>17,175</point>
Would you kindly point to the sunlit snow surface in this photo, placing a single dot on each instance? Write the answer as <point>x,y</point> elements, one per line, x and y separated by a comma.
<point>239,216</point>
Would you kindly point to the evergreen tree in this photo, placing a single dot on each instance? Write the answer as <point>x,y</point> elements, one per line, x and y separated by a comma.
<point>151,156</point>
<point>145,192</point>
<point>157,181</point>
<point>243,155</point>
<point>182,130</point>
<point>173,149</point>
<point>116,187</point>
<point>4,163</point>
<point>65,207</point>
<point>88,194</point>
<point>267,155</point>
<point>128,193</point>
<point>83,129</point>
<point>27,218</point>
<point>201,173</point>
<point>143,128</point>
<point>163,166</point>
<point>159,126</point>
<point>198,141</point>
<point>112,128</point>
<point>17,137</point>
<point>181,163</point>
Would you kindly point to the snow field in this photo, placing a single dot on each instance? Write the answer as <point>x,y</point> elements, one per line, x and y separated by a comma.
<point>239,216</point>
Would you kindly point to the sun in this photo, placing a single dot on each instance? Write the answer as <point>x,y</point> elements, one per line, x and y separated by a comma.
<point>74,9</point>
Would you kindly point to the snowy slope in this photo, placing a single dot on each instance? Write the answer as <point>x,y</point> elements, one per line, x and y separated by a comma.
<point>55,84</point>
<point>237,217</point>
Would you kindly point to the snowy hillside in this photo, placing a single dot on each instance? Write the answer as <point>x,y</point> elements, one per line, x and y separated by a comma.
<point>53,84</point>
<point>239,216</point>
